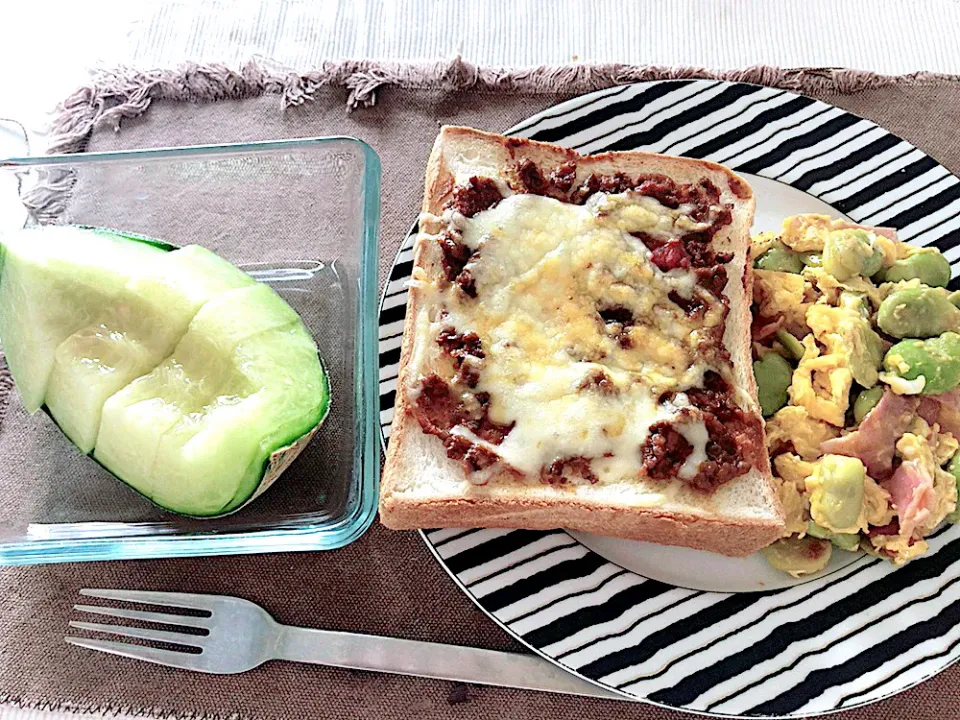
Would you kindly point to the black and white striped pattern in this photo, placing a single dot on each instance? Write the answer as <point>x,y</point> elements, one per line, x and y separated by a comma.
<point>855,636</point>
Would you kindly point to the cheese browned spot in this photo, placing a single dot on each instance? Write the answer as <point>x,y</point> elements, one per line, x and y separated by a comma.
<point>571,326</point>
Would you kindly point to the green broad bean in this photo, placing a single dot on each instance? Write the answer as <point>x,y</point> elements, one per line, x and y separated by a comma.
<point>779,258</point>
<point>928,266</point>
<point>850,542</point>
<point>953,467</point>
<point>845,541</point>
<point>793,346</point>
<point>811,259</point>
<point>773,375</point>
<point>864,350</point>
<point>937,360</point>
<point>798,556</point>
<point>855,301</point>
<point>848,253</point>
<point>920,312</point>
<point>954,297</point>
<point>866,401</point>
<point>836,497</point>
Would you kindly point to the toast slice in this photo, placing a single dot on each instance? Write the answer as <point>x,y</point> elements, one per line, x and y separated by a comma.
<point>576,350</point>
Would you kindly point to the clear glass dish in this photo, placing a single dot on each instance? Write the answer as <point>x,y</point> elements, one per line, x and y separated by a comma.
<point>301,215</point>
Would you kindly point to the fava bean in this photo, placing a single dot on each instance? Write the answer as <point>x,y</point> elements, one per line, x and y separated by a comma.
<point>937,360</point>
<point>866,401</point>
<point>836,493</point>
<point>929,266</point>
<point>921,312</point>
<point>855,301</point>
<point>954,297</point>
<point>798,556</point>
<point>779,258</point>
<point>793,346</point>
<point>845,541</point>
<point>953,467</point>
<point>865,350</point>
<point>811,259</point>
<point>773,375</point>
<point>847,253</point>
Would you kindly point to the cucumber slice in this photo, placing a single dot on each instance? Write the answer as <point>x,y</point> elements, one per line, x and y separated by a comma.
<point>185,378</point>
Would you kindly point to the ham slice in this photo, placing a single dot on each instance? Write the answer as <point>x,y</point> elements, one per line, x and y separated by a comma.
<point>762,328</point>
<point>875,440</point>
<point>943,409</point>
<point>911,491</point>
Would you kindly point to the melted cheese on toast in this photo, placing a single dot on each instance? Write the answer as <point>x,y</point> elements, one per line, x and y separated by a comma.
<point>545,271</point>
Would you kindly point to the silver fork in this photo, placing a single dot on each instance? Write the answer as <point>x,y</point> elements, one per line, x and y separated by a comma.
<point>240,635</point>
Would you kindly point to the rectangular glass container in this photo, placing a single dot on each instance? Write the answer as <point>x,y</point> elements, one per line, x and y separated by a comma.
<point>301,215</point>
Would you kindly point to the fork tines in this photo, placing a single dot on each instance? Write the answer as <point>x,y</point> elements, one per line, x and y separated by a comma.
<point>191,642</point>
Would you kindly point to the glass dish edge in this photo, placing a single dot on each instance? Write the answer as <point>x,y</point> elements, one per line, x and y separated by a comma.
<point>354,523</point>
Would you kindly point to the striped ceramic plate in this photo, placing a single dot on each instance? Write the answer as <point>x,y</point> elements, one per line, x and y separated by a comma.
<point>671,630</point>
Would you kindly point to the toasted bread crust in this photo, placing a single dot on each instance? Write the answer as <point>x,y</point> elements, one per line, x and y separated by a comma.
<point>521,509</point>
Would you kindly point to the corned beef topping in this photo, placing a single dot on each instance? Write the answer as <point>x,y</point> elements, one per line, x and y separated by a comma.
<point>438,411</point>
<point>466,352</point>
<point>652,242</point>
<point>732,445</point>
<point>693,306</point>
<point>477,195</point>
<point>713,279</point>
<point>454,256</point>
<point>598,381</point>
<point>616,314</point>
<point>664,451</point>
<point>724,453</point>
<point>558,472</point>
<point>618,321</point>
<point>563,176</point>
<point>531,178</point>
<point>460,345</point>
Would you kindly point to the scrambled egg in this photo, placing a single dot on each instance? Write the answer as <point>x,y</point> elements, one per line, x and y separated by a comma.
<point>897,549</point>
<point>833,322</point>
<point>848,337</point>
<point>805,233</point>
<point>761,242</point>
<point>876,504</point>
<point>793,424</point>
<point>821,384</point>
<point>945,446</point>
<point>793,469</point>
<point>784,295</point>
<point>830,288</point>
<point>796,508</point>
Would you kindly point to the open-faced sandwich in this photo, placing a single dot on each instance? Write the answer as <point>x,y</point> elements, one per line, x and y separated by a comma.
<point>577,350</point>
<point>858,362</point>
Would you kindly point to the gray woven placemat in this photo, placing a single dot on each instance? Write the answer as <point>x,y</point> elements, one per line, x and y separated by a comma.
<point>386,582</point>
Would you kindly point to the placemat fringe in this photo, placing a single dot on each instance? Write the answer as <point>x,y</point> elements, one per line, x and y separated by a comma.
<point>120,93</point>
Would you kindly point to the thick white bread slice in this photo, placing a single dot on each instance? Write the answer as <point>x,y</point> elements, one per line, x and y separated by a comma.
<point>423,488</point>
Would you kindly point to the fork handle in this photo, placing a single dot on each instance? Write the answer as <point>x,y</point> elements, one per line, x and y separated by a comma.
<point>432,660</point>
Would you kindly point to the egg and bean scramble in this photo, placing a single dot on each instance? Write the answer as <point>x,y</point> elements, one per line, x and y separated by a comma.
<point>857,361</point>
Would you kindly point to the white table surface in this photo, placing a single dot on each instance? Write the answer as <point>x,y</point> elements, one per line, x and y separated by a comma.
<point>47,47</point>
